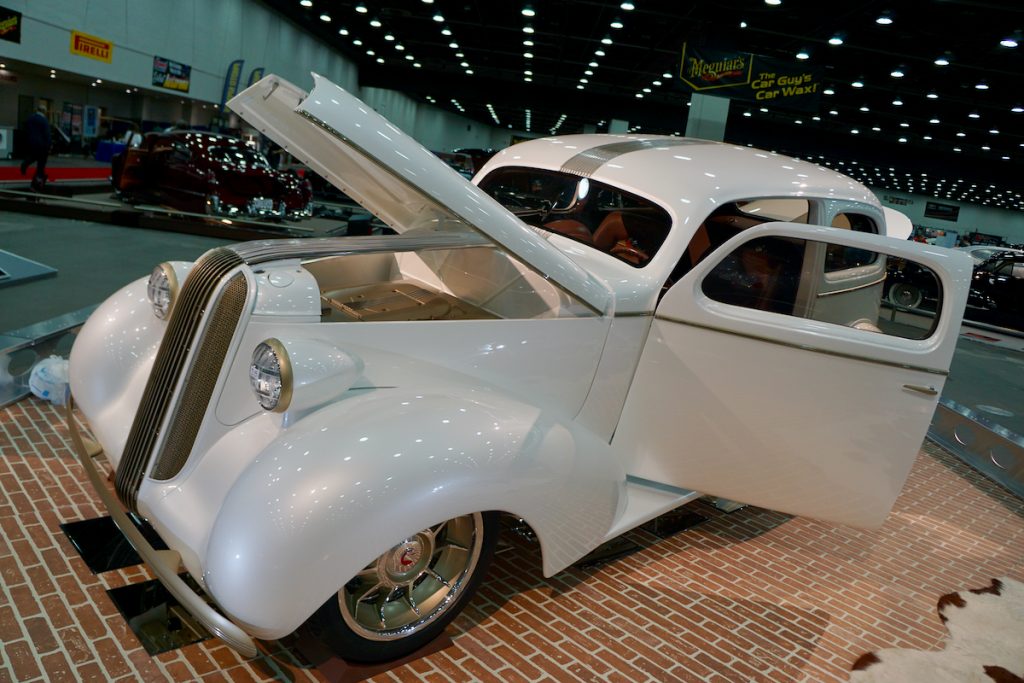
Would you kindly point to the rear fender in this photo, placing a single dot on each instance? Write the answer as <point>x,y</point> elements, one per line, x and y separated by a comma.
<point>348,482</point>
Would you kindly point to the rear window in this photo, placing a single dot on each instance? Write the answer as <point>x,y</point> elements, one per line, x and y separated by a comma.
<point>629,228</point>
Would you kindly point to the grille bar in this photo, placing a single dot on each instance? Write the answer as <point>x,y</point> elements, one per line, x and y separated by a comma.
<point>196,293</point>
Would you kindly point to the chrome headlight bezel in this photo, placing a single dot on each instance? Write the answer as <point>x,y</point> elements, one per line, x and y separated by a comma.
<point>271,365</point>
<point>162,290</point>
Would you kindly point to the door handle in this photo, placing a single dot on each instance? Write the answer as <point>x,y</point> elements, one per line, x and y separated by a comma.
<point>919,389</point>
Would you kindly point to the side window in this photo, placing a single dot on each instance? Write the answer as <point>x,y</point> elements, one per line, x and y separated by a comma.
<point>1018,271</point>
<point>790,276</point>
<point>839,257</point>
<point>731,219</point>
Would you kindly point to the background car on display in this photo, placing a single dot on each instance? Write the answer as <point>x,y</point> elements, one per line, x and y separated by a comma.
<point>326,430</point>
<point>208,173</point>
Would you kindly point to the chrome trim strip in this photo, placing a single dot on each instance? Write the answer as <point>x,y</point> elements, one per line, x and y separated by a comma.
<point>164,563</point>
<point>803,347</point>
<point>587,162</point>
<point>921,389</point>
<point>880,280</point>
<point>635,314</point>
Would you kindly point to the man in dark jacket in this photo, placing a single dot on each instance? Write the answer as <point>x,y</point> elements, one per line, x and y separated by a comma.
<point>37,138</point>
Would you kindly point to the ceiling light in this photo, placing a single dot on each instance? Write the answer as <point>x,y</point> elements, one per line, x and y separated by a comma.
<point>904,124</point>
<point>528,55</point>
<point>942,61</point>
<point>803,55</point>
<point>411,59</point>
<point>375,23</point>
<point>829,91</point>
<point>1009,41</point>
<point>528,11</point>
<point>832,112</point>
<point>902,139</point>
<point>640,95</point>
<point>528,43</point>
<point>647,90</point>
<point>927,137</point>
<point>579,86</point>
<point>380,60</point>
<point>884,19</point>
<point>932,96</point>
<point>1016,110</point>
<point>656,83</point>
<point>666,75</point>
<point>446,31</point>
<point>981,86</point>
<point>854,131</point>
<point>897,73</point>
<point>342,31</point>
<point>464,65</point>
<point>588,72</point>
<point>361,8</point>
<point>616,23</point>
<point>961,134</point>
<point>607,40</point>
<point>747,114</point>
<point>527,79</point>
<point>599,52</point>
<point>438,17</point>
<point>773,3</point>
<point>835,40</point>
<point>325,17</point>
<point>399,47</point>
<point>994,131</point>
<point>460,55</point>
<point>306,3</point>
<point>743,24</point>
<point>628,6</point>
<point>593,65</point>
<point>527,29</point>
<point>933,121</point>
<point>974,115</point>
<point>584,80</point>
<point>469,72</point>
<point>370,53</point>
<point>389,37</point>
<point>527,73</point>
<point>357,42</point>
<point>897,102</point>
<point>864,107</point>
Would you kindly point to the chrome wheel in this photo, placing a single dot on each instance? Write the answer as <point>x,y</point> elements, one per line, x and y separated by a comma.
<point>415,583</point>
<point>903,295</point>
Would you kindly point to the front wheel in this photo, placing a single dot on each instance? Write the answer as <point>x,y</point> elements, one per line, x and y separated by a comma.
<point>404,599</point>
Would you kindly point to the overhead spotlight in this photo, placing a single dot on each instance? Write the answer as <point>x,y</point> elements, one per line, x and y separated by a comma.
<point>655,82</point>
<point>1009,41</point>
<point>942,60</point>
<point>616,23</point>
<point>528,55</point>
<point>446,31</point>
<point>743,24</point>
<point>933,121</point>
<point>438,17</point>
<point>306,3</point>
<point>981,86</point>
<point>829,91</point>
<point>932,96</point>
<point>342,31</point>
<point>453,45</point>
<point>627,6</point>
<point>529,11</point>
<point>361,8</point>
<point>599,52</point>
<point>325,17</point>
<point>593,65</point>
<point>858,84</point>
<point>835,40</point>
<point>974,115</point>
<point>357,42</point>
<point>884,19</point>
<point>527,29</point>
<point>666,75</point>
<point>1016,110</point>
<point>897,73</point>
<point>389,37</point>
<point>747,114</point>
<point>607,40</point>
<point>897,102</point>
<point>773,3</point>
<point>803,54</point>
<point>375,23</point>
<point>994,131</point>
<point>864,108</point>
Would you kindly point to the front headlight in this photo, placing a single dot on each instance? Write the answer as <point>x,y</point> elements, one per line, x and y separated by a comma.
<point>162,290</point>
<point>270,374</point>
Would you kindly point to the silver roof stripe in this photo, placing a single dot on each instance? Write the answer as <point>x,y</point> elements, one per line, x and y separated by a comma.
<point>586,163</point>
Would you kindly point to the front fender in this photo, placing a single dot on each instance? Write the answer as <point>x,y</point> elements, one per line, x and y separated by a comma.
<point>348,482</point>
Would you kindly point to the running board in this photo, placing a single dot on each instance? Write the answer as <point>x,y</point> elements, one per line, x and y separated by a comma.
<point>646,500</point>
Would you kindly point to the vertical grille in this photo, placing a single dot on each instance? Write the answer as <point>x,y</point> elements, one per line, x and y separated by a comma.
<point>199,288</point>
<point>202,376</point>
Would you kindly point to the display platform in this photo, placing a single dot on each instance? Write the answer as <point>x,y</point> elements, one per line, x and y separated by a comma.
<point>744,595</point>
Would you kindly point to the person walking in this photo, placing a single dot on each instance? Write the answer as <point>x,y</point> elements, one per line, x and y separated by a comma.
<point>37,129</point>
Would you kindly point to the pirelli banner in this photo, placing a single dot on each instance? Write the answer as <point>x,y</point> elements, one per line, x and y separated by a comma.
<point>746,76</point>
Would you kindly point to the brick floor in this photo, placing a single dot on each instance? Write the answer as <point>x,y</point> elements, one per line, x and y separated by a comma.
<point>750,596</point>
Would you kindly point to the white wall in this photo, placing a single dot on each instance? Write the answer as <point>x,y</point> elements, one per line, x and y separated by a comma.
<point>205,34</point>
<point>972,217</point>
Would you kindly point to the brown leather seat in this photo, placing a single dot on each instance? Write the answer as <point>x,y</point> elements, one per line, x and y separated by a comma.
<point>571,228</point>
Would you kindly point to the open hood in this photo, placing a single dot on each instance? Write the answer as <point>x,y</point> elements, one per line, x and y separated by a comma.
<point>396,178</point>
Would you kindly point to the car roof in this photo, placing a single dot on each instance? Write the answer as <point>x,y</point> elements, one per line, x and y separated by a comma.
<point>686,175</point>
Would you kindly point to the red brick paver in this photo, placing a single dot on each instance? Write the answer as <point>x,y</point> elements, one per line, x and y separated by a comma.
<point>750,596</point>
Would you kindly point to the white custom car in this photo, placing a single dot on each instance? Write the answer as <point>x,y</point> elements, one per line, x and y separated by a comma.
<point>595,330</point>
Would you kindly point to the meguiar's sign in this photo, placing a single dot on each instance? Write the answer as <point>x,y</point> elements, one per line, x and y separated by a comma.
<point>744,75</point>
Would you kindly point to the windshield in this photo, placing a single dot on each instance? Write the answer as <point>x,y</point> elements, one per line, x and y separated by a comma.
<point>240,157</point>
<point>608,219</point>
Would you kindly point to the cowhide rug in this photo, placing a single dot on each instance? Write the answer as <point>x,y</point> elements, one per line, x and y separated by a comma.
<point>986,642</point>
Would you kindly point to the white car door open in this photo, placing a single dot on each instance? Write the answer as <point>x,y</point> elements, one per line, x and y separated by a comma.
<point>776,375</point>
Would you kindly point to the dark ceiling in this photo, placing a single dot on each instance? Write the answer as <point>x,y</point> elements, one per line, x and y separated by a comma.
<point>945,128</point>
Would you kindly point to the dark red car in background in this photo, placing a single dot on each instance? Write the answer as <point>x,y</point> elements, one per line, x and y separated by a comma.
<point>208,173</point>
